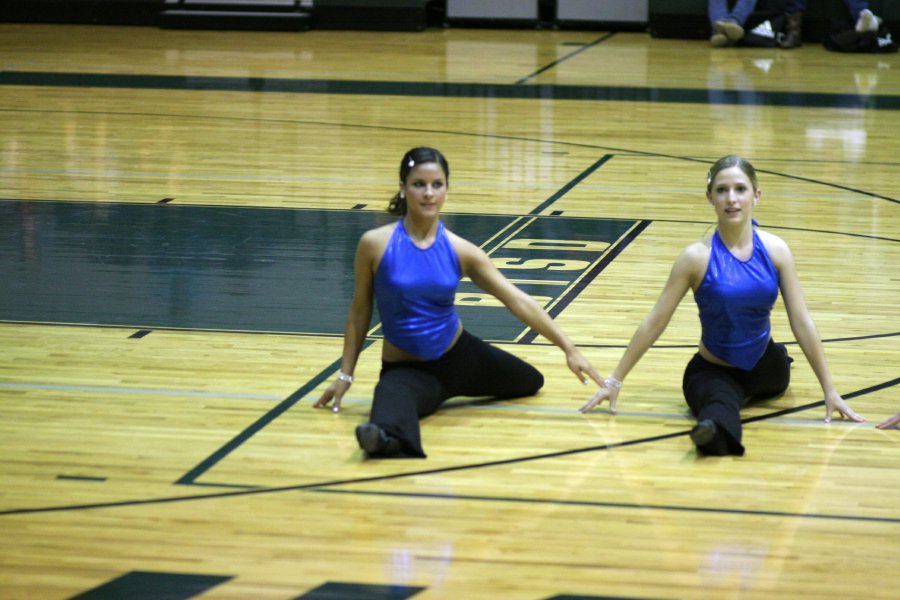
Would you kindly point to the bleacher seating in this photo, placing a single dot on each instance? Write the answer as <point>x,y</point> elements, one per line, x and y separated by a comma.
<point>378,15</point>
<point>266,15</point>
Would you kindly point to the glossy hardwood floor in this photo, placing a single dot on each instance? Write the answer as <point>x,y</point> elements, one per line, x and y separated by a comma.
<point>180,211</point>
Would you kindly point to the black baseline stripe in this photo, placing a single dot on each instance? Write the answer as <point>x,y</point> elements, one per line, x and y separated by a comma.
<point>453,90</point>
<point>80,478</point>
<point>441,470</point>
<point>832,185</point>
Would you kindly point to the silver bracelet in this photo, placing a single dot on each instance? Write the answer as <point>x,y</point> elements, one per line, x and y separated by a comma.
<point>613,382</point>
<point>344,377</point>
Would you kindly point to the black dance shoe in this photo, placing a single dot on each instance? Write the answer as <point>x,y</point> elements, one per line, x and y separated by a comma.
<point>375,442</point>
<point>703,432</point>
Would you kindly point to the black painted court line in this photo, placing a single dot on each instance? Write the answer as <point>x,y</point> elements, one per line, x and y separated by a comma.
<point>864,236</point>
<point>339,590</point>
<point>453,90</point>
<point>832,185</point>
<point>441,470</point>
<point>568,187</point>
<point>154,585</point>
<point>857,338</point>
<point>549,66</point>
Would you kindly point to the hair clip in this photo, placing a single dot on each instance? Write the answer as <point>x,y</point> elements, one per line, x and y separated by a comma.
<point>411,163</point>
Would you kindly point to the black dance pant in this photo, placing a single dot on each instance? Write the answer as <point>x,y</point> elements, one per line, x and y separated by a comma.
<point>409,391</point>
<point>718,393</point>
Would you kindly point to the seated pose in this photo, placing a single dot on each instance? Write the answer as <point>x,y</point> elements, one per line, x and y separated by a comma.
<point>412,268</point>
<point>735,275</point>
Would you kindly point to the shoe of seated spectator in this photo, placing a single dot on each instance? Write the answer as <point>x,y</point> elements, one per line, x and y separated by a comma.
<point>730,29</point>
<point>793,32</point>
<point>718,40</point>
<point>867,21</point>
<point>790,41</point>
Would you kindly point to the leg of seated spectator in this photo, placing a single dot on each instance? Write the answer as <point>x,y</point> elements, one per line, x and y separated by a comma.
<point>728,26</point>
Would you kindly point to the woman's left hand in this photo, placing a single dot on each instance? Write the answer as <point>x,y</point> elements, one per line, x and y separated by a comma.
<point>892,423</point>
<point>606,392</point>
<point>834,402</point>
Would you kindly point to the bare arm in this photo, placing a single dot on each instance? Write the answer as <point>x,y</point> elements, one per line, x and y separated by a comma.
<point>803,327</point>
<point>684,271</point>
<point>358,319</point>
<point>478,266</point>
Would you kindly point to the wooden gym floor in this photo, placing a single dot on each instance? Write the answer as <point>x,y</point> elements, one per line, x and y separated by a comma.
<point>179,214</point>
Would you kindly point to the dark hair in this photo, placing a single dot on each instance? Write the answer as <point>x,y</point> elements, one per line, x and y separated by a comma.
<point>726,162</point>
<point>413,158</point>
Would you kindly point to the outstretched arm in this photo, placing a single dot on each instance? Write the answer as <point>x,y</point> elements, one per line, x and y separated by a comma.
<point>358,319</point>
<point>804,329</point>
<point>653,325</point>
<point>484,274</point>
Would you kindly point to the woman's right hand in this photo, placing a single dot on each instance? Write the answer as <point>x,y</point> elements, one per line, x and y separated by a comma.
<point>334,392</point>
<point>834,402</point>
<point>606,392</point>
<point>581,367</point>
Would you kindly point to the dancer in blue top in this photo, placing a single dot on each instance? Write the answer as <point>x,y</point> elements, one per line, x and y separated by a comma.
<point>735,276</point>
<point>412,268</point>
